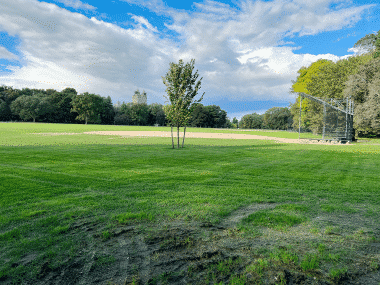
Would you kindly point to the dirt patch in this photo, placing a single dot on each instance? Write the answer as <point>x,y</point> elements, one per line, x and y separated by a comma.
<point>192,252</point>
<point>207,136</point>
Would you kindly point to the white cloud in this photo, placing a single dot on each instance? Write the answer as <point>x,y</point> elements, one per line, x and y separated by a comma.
<point>142,21</point>
<point>76,4</point>
<point>4,53</point>
<point>238,52</point>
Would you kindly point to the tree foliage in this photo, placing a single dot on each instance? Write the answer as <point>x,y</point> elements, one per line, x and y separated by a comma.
<point>328,82</point>
<point>364,89</point>
<point>107,112</point>
<point>88,106</point>
<point>211,116</point>
<point>277,118</point>
<point>251,121</point>
<point>30,107</point>
<point>157,115</point>
<point>235,121</point>
<point>371,43</point>
<point>180,93</point>
<point>59,109</point>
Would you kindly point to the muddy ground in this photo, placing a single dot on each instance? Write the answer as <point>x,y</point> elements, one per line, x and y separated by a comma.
<point>188,252</point>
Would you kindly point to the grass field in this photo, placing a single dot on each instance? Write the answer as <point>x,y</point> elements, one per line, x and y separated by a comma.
<point>92,209</point>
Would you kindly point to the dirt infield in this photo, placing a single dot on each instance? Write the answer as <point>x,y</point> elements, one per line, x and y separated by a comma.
<point>205,135</point>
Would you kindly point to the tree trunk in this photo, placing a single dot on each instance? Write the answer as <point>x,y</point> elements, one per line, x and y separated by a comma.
<point>178,137</point>
<point>184,132</point>
<point>86,120</point>
<point>34,120</point>
<point>172,137</point>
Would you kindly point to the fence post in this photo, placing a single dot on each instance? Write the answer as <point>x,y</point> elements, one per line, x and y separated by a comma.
<point>299,127</point>
<point>346,118</point>
<point>324,120</point>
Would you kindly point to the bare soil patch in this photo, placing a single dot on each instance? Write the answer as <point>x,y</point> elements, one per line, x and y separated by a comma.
<point>189,252</point>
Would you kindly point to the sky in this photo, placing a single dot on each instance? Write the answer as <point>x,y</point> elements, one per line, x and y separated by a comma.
<point>247,52</point>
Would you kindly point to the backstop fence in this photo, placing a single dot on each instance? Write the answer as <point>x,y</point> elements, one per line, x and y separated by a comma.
<point>337,118</point>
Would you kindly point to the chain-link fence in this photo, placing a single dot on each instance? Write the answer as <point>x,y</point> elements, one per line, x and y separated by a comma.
<point>337,118</point>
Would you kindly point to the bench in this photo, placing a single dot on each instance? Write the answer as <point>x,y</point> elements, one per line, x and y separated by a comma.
<point>341,140</point>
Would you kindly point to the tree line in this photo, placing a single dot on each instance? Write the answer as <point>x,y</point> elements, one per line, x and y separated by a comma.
<point>69,107</point>
<point>275,118</point>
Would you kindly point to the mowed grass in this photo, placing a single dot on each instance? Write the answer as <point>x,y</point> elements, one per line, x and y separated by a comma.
<point>52,184</point>
<point>11,131</point>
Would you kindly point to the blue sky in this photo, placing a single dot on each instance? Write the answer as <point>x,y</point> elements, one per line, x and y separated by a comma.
<point>247,51</point>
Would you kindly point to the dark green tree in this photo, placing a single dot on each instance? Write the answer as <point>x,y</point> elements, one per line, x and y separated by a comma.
<point>30,107</point>
<point>88,106</point>
<point>277,118</point>
<point>107,113</point>
<point>251,121</point>
<point>235,122</point>
<point>140,114</point>
<point>123,114</point>
<point>5,111</point>
<point>216,117</point>
<point>198,116</point>
<point>8,95</point>
<point>157,115</point>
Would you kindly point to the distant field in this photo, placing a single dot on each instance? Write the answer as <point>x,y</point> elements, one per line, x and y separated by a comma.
<point>85,209</point>
<point>17,128</point>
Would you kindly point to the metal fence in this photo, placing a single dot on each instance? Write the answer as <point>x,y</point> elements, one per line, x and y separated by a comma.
<point>337,118</point>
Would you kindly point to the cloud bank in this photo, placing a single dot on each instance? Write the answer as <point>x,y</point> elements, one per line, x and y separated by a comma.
<point>241,53</point>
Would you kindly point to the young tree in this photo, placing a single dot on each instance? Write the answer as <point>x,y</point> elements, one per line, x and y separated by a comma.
<point>179,81</point>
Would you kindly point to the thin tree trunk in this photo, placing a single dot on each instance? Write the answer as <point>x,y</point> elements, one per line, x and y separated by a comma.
<point>178,137</point>
<point>172,137</point>
<point>34,120</point>
<point>184,132</point>
<point>86,120</point>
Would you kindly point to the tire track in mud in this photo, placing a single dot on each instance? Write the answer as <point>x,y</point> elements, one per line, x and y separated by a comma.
<point>176,252</point>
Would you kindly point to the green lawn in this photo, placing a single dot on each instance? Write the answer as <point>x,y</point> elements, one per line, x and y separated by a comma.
<point>51,184</point>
